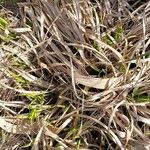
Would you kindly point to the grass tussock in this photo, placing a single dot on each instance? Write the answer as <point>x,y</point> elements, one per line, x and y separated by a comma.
<point>75,75</point>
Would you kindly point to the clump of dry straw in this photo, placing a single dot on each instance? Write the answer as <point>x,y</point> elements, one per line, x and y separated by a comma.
<point>75,75</point>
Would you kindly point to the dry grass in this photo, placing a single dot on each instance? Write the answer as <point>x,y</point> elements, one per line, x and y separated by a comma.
<point>75,75</point>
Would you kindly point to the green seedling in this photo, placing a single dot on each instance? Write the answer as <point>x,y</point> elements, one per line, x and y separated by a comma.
<point>3,23</point>
<point>137,97</point>
<point>35,107</point>
<point>6,38</point>
<point>116,35</point>
<point>78,143</point>
<point>20,81</point>
<point>33,114</point>
<point>141,98</point>
<point>106,39</point>
<point>36,98</point>
<point>71,132</point>
<point>5,35</point>
<point>17,62</point>
<point>20,64</point>
<point>36,101</point>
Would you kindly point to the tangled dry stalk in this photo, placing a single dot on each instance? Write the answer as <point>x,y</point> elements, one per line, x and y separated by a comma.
<point>75,74</point>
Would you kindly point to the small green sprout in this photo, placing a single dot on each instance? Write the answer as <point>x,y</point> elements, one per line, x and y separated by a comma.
<point>71,132</point>
<point>139,97</point>
<point>35,107</point>
<point>78,143</point>
<point>4,33</point>
<point>17,62</point>
<point>3,23</point>
<point>107,40</point>
<point>116,35</point>
<point>36,98</point>
<point>33,114</point>
<point>18,79</point>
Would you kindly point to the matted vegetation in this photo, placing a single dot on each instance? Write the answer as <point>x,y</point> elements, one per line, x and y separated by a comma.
<point>75,75</point>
